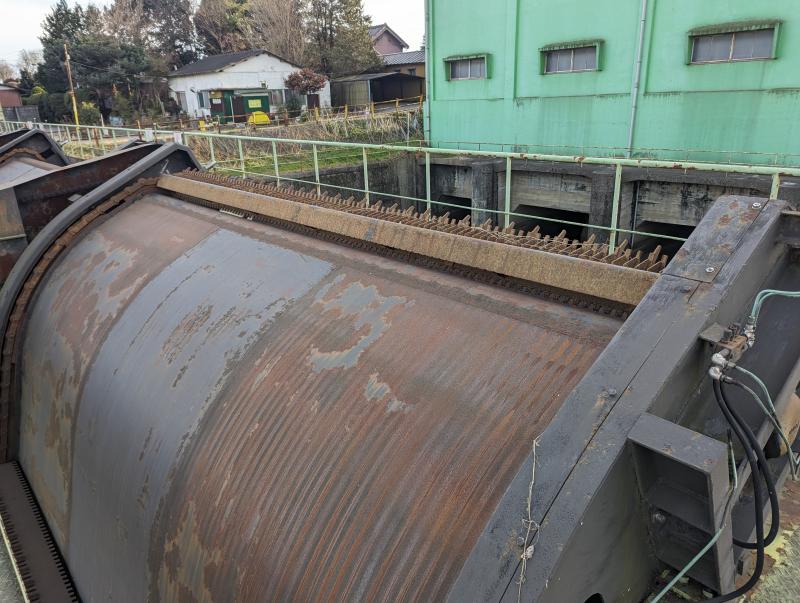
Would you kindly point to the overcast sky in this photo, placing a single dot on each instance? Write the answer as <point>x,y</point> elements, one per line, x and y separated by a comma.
<point>23,18</point>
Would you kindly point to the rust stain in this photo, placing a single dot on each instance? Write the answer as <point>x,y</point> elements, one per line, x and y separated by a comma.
<point>356,474</point>
<point>185,557</point>
<point>89,288</point>
<point>353,447</point>
<point>183,333</point>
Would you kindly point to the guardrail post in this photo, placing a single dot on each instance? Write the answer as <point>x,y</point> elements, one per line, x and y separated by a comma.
<point>316,169</point>
<point>612,238</point>
<point>212,158</point>
<point>275,163</point>
<point>428,180</point>
<point>241,156</point>
<point>507,205</point>
<point>366,173</point>
<point>79,142</point>
<point>776,186</point>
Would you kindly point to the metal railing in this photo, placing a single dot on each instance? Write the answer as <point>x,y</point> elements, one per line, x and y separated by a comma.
<point>299,161</point>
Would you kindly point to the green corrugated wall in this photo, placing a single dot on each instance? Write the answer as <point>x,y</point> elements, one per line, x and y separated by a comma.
<point>745,111</point>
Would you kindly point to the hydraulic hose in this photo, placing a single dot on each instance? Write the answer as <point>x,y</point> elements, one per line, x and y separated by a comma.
<point>741,432</point>
<point>765,474</point>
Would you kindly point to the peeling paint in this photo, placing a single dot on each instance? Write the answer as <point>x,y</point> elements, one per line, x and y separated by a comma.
<point>370,313</point>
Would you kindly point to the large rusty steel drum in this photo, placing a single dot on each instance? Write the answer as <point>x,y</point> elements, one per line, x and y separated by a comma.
<point>220,409</point>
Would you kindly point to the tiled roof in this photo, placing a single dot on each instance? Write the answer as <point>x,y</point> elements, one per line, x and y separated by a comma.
<point>405,58</point>
<point>218,62</point>
<point>376,30</point>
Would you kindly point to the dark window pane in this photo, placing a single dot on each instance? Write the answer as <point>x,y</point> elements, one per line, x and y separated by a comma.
<point>477,68</point>
<point>753,44</point>
<point>584,59</point>
<point>712,48</point>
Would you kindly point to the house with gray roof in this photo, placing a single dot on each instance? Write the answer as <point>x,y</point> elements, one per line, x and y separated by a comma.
<point>230,86</point>
<point>385,40</point>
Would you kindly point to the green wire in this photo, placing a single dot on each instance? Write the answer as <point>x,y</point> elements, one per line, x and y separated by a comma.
<point>766,294</point>
<point>771,414</point>
<point>711,542</point>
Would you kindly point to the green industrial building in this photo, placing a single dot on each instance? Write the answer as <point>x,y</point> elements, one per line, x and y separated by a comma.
<point>710,80</point>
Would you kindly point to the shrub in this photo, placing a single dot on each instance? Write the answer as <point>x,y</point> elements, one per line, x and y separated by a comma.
<point>88,114</point>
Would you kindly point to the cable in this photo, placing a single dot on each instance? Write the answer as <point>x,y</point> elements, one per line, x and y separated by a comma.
<point>765,295</point>
<point>746,437</point>
<point>763,472</point>
<point>716,536</point>
<point>750,325</point>
<point>772,415</point>
<point>741,432</point>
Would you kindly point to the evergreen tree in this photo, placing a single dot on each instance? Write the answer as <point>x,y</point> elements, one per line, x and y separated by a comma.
<point>26,81</point>
<point>339,41</point>
<point>101,64</point>
<point>64,24</point>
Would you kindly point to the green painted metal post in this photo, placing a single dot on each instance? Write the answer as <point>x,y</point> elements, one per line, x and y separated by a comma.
<point>79,142</point>
<point>428,179</point>
<point>113,136</point>
<point>776,186</point>
<point>366,173</point>
<point>316,169</point>
<point>241,157</point>
<point>275,163</point>
<point>507,203</point>
<point>612,238</point>
<point>213,159</point>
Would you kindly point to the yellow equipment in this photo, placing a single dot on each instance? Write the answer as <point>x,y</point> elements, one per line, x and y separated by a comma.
<point>258,118</point>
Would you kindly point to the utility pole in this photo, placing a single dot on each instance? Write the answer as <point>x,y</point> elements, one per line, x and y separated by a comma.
<point>71,87</point>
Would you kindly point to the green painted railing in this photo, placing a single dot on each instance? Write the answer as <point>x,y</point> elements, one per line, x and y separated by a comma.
<point>239,154</point>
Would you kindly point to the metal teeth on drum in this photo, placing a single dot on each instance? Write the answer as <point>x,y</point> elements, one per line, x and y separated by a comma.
<point>532,239</point>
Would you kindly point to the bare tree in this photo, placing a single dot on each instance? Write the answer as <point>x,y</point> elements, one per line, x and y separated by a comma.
<point>29,60</point>
<point>220,25</point>
<point>6,70</point>
<point>277,26</point>
<point>125,20</point>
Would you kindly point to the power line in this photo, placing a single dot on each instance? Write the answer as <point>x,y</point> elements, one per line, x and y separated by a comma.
<point>108,69</point>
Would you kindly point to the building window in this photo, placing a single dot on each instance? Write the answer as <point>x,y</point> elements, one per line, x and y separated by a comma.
<point>567,60</point>
<point>753,45</point>
<point>182,101</point>
<point>467,69</point>
<point>412,71</point>
<point>276,98</point>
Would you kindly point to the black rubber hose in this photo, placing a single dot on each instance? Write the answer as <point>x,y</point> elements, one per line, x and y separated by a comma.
<point>763,470</point>
<point>740,431</point>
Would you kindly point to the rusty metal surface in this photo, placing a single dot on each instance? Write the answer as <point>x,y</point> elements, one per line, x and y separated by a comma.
<point>39,191</point>
<point>584,268</point>
<point>21,166</point>
<point>219,409</point>
<point>41,199</point>
<point>37,564</point>
<point>35,142</point>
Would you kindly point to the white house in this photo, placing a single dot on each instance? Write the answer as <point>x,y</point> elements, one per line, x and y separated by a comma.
<point>232,85</point>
